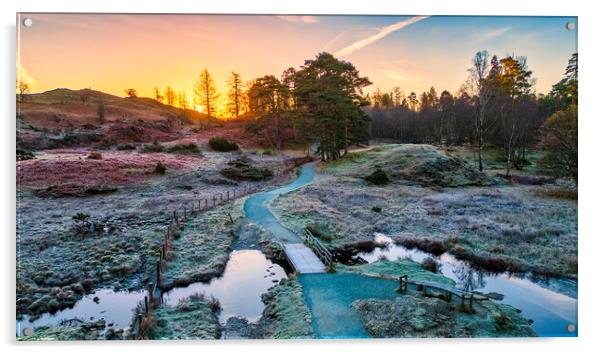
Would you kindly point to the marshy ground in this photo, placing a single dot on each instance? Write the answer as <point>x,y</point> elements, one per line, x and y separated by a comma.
<point>431,199</point>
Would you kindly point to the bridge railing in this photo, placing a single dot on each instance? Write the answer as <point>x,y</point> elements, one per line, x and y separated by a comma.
<point>319,249</point>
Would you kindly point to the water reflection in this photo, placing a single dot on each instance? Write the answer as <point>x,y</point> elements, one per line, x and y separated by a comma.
<point>248,274</point>
<point>551,309</point>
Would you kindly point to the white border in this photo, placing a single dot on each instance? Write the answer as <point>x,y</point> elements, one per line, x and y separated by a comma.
<point>589,206</point>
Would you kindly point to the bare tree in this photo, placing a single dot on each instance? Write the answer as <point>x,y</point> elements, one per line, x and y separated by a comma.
<point>170,96</point>
<point>182,100</point>
<point>235,94</point>
<point>22,88</point>
<point>158,96</point>
<point>205,93</point>
<point>481,87</point>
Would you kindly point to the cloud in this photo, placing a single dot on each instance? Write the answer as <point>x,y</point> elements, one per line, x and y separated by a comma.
<point>494,33</point>
<point>382,33</point>
<point>298,19</point>
<point>24,76</point>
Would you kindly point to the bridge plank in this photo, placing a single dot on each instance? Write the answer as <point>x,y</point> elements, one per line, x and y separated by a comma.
<point>303,259</point>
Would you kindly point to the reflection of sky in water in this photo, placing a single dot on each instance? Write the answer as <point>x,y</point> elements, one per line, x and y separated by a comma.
<point>551,312</point>
<point>114,307</point>
<point>248,274</point>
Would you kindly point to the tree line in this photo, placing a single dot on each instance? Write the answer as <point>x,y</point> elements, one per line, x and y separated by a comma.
<point>321,103</point>
<point>495,107</point>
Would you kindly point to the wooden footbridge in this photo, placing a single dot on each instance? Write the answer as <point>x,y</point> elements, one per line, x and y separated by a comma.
<point>308,257</point>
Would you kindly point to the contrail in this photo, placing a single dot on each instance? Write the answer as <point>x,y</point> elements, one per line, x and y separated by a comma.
<point>385,31</point>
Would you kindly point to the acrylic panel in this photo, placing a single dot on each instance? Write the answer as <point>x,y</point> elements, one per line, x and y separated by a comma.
<point>283,176</point>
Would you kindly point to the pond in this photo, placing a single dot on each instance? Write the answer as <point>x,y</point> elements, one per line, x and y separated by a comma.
<point>248,274</point>
<point>552,305</point>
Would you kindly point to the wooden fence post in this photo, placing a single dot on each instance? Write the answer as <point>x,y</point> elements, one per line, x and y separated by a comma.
<point>146,305</point>
<point>150,289</point>
<point>164,252</point>
<point>158,272</point>
<point>205,203</point>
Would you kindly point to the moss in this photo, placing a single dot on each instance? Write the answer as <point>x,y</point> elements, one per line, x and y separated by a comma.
<point>395,269</point>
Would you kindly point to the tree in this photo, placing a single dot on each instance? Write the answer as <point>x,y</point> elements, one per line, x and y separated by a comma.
<point>235,94</point>
<point>205,93</point>
<point>170,96</point>
<point>559,140</point>
<point>566,89</point>
<point>269,103</point>
<point>182,100</point>
<point>329,92</point>
<point>481,81</point>
<point>515,105</point>
<point>131,93</point>
<point>22,88</point>
<point>158,96</point>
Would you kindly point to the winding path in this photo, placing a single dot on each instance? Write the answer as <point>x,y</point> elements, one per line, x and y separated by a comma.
<point>256,208</point>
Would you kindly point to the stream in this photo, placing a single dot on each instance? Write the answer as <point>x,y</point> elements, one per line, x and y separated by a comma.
<point>249,274</point>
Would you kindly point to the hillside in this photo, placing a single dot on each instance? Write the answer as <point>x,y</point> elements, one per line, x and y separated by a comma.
<point>64,118</point>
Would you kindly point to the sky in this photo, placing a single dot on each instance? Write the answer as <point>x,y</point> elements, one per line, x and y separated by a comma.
<point>112,52</point>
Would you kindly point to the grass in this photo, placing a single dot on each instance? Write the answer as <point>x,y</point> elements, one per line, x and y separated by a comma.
<point>498,227</point>
<point>193,318</point>
<point>395,269</point>
<point>201,251</point>
<point>415,316</point>
<point>286,314</point>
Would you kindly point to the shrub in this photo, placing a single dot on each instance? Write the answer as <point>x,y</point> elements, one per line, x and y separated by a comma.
<point>24,155</point>
<point>154,147</point>
<point>241,170</point>
<point>425,245</point>
<point>222,144</point>
<point>122,147</point>
<point>431,265</point>
<point>81,217</point>
<point>378,177</point>
<point>186,149</point>
<point>215,305</point>
<point>160,168</point>
<point>318,231</point>
<point>95,156</point>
